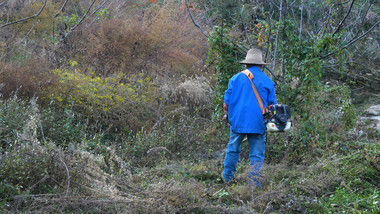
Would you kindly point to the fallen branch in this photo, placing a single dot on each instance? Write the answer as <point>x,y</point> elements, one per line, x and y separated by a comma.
<point>158,149</point>
<point>266,194</point>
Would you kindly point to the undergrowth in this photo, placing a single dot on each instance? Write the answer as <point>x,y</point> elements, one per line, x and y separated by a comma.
<point>47,167</point>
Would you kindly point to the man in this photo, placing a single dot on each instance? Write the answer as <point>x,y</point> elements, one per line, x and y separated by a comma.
<point>244,115</point>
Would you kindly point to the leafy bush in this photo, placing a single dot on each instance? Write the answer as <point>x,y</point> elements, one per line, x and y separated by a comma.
<point>26,164</point>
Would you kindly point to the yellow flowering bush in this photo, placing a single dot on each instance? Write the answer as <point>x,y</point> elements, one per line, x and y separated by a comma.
<point>115,100</point>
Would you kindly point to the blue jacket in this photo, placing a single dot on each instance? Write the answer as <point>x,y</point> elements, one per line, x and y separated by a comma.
<point>244,113</point>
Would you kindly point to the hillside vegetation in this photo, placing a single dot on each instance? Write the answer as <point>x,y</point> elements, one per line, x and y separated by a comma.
<point>116,106</point>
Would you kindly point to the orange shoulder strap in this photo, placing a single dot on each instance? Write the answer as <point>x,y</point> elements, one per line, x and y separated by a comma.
<point>250,77</point>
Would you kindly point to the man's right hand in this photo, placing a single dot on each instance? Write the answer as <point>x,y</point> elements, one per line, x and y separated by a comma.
<point>225,119</point>
<point>225,109</point>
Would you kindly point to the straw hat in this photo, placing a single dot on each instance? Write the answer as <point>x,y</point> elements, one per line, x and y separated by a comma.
<point>254,56</point>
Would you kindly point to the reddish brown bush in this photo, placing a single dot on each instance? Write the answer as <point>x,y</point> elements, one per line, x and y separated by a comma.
<point>114,45</point>
<point>28,80</point>
<point>162,39</point>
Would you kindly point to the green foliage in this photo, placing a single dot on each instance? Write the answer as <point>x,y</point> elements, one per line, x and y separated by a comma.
<point>13,114</point>
<point>223,54</point>
<point>62,126</point>
<point>358,191</point>
<point>331,115</point>
<point>302,88</point>
<point>303,71</point>
<point>225,10</point>
<point>69,21</point>
<point>345,200</point>
<point>340,99</point>
<point>26,165</point>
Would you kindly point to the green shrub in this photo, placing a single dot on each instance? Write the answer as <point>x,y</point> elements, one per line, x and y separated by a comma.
<point>325,128</point>
<point>13,114</point>
<point>28,167</point>
<point>358,190</point>
<point>62,126</point>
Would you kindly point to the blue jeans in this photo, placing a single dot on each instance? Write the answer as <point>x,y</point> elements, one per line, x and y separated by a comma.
<point>256,155</point>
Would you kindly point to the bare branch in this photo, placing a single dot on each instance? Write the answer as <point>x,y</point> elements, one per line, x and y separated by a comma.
<point>330,17</point>
<point>244,26</point>
<point>354,40</point>
<point>83,17</point>
<point>274,75</point>
<point>60,10</point>
<point>300,28</point>
<point>361,36</point>
<point>271,1</point>
<point>344,19</point>
<point>276,46</point>
<point>192,18</point>
<point>364,16</point>
<point>97,9</point>
<point>205,16</point>
<point>26,19</point>
<point>291,4</point>
<point>100,7</point>
<point>4,3</point>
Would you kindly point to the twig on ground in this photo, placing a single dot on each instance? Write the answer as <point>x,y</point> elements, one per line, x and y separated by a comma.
<point>68,178</point>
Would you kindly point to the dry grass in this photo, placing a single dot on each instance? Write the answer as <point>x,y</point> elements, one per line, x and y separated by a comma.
<point>192,93</point>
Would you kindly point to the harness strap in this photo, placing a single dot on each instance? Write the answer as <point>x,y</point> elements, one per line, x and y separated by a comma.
<point>250,77</point>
